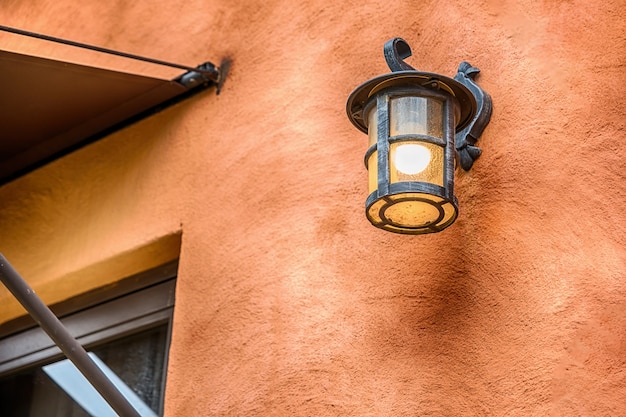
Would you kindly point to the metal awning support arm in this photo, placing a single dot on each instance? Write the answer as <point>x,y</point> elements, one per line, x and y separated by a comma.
<point>207,69</point>
<point>74,351</point>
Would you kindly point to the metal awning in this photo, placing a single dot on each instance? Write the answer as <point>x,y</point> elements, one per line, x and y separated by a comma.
<point>49,108</point>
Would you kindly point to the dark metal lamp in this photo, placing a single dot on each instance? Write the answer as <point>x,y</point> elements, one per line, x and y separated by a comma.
<point>412,118</point>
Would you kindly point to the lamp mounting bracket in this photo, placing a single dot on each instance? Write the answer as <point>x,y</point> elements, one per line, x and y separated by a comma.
<point>466,139</point>
<point>396,50</point>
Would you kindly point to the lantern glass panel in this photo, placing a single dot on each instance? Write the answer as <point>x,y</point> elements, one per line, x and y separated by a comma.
<point>372,126</point>
<point>372,171</point>
<point>372,160</point>
<point>416,161</point>
<point>416,115</point>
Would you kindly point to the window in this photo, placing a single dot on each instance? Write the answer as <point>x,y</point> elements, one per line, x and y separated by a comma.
<point>125,325</point>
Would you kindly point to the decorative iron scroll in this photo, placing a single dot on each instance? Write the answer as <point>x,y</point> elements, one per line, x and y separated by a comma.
<point>466,138</point>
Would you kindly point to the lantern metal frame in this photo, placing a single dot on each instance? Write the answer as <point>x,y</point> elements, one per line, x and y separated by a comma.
<point>466,112</point>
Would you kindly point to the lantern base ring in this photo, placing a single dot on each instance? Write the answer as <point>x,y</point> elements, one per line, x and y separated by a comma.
<point>412,208</point>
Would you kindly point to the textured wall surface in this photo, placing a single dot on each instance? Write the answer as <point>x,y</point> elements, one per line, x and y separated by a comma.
<point>288,301</point>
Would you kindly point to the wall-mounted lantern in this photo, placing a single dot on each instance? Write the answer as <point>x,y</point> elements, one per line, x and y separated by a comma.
<point>412,118</point>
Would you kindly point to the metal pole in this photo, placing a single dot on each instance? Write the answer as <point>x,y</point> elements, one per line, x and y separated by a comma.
<point>63,339</point>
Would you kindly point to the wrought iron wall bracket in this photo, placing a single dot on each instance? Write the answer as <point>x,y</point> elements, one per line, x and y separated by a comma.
<point>396,50</point>
<point>465,140</point>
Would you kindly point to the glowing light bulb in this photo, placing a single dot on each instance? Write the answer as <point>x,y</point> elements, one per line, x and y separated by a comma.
<point>411,158</point>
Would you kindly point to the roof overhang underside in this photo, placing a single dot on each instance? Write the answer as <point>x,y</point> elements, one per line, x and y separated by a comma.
<point>49,108</point>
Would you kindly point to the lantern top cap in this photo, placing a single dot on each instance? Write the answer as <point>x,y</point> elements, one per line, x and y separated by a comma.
<point>359,98</point>
<point>404,75</point>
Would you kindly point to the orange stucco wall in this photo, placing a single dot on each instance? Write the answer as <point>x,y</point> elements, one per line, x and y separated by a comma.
<point>288,301</point>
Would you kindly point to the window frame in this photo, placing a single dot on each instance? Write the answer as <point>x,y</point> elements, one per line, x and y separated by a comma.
<point>126,307</point>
